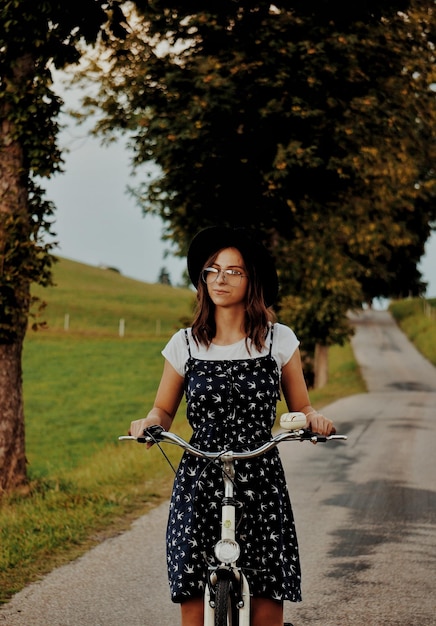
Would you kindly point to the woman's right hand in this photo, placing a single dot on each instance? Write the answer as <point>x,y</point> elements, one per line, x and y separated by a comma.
<point>137,426</point>
<point>156,416</point>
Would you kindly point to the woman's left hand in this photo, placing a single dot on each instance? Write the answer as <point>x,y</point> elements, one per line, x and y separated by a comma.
<point>317,423</point>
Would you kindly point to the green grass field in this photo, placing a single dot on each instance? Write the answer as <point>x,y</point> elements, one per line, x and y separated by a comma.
<point>82,387</point>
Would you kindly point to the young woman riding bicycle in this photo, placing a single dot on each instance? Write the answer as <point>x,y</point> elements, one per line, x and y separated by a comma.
<point>232,364</point>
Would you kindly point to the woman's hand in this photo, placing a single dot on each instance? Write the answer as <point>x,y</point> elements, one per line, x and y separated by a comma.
<point>155,417</point>
<point>317,423</point>
<point>137,427</point>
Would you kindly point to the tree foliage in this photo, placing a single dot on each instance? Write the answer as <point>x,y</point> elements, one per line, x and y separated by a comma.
<point>312,121</point>
<point>35,36</point>
<point>164,277</point>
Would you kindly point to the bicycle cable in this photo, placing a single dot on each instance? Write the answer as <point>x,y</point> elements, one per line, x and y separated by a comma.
<point>168,460</point>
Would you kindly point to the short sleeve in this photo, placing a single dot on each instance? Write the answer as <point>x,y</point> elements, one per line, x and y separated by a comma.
<point>176,352</point>
<point>285,343</point>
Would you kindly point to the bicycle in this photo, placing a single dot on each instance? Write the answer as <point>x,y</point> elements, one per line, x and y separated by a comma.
<point>227,593</point>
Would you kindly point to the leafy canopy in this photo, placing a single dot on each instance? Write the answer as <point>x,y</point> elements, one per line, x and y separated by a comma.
<point>312,121</point>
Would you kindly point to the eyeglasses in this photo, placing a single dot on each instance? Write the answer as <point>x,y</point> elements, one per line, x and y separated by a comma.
<point>232,277</point>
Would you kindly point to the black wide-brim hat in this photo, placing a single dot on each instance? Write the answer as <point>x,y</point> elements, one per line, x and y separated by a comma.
<point>214,238</point>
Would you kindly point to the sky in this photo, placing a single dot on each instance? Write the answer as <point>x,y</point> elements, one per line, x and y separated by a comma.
<point>98,223</point>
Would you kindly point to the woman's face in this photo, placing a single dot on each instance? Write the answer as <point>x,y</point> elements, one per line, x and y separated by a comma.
<point>229,285</point>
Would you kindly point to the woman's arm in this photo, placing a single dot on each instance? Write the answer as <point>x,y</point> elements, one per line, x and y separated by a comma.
<point>297,397</point>
<point>168,397</point>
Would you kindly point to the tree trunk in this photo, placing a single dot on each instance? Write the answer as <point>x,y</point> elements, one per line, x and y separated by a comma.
<point>12,448</point>
<point>15,231</point>
<point>321,366</point>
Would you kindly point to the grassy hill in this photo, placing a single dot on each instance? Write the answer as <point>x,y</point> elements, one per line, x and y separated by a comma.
<point>95,300</point>
<point>88,380</point>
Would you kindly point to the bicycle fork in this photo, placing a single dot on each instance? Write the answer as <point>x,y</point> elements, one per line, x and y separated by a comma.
<point>227,552</point>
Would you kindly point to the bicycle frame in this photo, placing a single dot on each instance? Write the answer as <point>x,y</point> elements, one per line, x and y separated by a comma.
<point>228,563</point>
<point>227,549</point>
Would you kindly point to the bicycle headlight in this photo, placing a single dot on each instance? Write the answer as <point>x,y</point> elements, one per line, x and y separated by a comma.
<point>227,551</point>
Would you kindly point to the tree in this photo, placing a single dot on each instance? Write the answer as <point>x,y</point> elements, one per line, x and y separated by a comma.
<point>315,118</point>
<point>164,277</point>
<point>35,35</point>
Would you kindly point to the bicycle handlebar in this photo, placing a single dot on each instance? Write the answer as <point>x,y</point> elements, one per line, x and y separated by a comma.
<point>156,434</point>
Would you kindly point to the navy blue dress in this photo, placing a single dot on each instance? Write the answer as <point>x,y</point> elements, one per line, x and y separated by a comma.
<point>232,404</point>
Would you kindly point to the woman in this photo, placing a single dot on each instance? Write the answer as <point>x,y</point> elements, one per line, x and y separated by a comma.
<point>231,364</point>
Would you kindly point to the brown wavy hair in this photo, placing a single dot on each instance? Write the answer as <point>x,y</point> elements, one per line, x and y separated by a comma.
<point>257,316</point>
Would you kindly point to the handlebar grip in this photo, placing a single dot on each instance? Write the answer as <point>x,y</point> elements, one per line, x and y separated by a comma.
<point>308,435</point>
<point>320,438</point>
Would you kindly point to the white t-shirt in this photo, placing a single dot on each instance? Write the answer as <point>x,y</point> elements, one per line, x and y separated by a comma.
<point>176,352</point>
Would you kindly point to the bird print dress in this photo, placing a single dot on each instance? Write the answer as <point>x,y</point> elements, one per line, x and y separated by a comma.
<point>232,405</point>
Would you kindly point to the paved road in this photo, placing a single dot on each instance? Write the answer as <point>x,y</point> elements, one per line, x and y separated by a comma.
<point>365,512</point>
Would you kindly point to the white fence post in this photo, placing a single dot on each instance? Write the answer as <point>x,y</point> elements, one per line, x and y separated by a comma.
<point>428,310</point>
<point>121,328</point>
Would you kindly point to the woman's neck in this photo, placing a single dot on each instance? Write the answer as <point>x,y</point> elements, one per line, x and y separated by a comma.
<point>229,326</point>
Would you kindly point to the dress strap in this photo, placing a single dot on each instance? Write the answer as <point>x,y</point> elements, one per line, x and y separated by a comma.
<point>187,342</point>
<point>271,339</point>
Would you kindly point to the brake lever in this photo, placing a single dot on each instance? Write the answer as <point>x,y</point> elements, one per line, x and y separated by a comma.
<point>153,434</point>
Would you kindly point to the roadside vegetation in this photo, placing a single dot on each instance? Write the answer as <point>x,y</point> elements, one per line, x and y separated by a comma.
<point>417,319</point>
<point>82,386</point>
